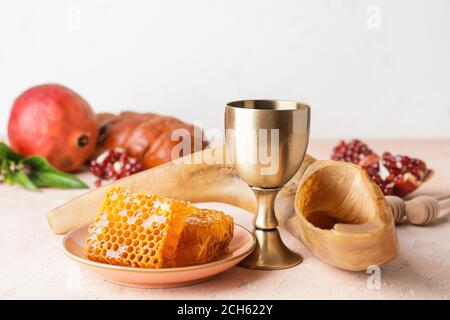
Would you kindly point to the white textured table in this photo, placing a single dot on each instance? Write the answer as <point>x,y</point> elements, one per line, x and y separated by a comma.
<point>32,264</point>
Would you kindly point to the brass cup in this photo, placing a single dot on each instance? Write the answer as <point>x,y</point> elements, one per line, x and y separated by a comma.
<point>267,141</point>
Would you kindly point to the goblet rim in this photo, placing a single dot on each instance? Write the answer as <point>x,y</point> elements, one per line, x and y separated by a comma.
<point>296,105</point>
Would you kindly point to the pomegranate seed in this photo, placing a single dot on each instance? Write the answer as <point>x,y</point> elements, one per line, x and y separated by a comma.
<point>353,151</point>
<point>114,164</point>
<point>386,171</point>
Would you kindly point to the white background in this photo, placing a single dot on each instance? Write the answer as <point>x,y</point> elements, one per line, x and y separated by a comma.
<point>367,68</point>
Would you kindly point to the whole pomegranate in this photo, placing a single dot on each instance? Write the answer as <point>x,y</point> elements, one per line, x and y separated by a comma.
<point>53,121</point>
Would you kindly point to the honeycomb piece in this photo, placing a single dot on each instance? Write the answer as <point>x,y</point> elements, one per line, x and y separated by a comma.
<point>147,231</point>
<point>205,237</point>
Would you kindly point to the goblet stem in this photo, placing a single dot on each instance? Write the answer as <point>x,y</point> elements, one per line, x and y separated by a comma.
<point>265,218</point>
<point>270,252</point>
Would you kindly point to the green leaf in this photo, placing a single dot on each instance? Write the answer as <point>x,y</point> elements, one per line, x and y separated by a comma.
<point>21,178</point>
<point>44,175</point>
<point>8,154</point>
<point>4,164</point>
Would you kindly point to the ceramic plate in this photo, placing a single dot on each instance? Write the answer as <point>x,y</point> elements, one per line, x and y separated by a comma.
<point>240,246</point>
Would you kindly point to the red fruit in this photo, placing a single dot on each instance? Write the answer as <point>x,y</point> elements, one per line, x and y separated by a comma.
<point>398,175</point>
<point>354,151</point>
<point>53,121</point>
<point>98,183</point>
<point>114,164</point>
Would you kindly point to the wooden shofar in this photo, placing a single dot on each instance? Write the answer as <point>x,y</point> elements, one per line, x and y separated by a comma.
<point>332,207</point>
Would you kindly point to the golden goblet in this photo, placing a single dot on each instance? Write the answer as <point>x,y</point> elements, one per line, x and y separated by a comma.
<point>266,141</point>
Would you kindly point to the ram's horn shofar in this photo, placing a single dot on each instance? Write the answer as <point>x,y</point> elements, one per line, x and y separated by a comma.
<point>332,207</point>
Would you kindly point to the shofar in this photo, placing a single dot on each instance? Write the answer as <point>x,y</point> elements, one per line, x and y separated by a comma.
<point>332,207</point>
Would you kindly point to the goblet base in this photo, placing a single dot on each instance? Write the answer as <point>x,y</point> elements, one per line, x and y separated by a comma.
<point>270,252</point>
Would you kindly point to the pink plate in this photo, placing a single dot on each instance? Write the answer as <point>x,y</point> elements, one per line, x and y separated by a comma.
<point>240,247</point>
